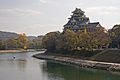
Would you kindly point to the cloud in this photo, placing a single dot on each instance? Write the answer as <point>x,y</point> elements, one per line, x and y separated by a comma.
<point>43,1</point>
<point>36,29</point>
<point>103,10</point>
<point>43,25</point>
<point>18,11</point>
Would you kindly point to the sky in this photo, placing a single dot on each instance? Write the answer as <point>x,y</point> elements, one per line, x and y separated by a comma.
<point>38,17</point>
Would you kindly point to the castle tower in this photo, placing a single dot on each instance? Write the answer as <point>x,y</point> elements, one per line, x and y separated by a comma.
<point>78,21</point>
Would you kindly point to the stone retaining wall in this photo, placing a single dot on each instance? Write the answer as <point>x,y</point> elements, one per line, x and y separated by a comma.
<point>81,63</point>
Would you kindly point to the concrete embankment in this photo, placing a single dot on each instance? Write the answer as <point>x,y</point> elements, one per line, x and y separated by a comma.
<point>81,63</point>
<point>16,51</point>
<point>10,51</point>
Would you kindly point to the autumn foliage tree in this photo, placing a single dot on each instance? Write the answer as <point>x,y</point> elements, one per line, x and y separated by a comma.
<point>80,40</point>
<point>70,40</point>
<point>23,41</point>
<point>102,37</point>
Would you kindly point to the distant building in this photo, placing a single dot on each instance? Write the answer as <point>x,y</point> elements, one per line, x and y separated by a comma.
<point>79,21</point>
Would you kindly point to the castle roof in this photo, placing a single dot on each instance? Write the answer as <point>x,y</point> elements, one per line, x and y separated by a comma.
<point>91,25</point>
<point>78,11</point>
<point>79,20</point>
<point>75,27</point>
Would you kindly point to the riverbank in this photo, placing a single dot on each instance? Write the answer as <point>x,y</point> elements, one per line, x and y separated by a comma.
<point>18,51</point>
<point>11,51</point>
<point>80,62</point>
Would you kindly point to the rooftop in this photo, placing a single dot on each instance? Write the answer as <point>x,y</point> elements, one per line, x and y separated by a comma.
<point>77,10</point>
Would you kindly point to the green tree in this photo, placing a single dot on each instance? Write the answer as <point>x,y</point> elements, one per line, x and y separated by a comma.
<point>115,36</point>
<point>49,40</point>
<point>92,40</point>
<point>35,44</point>
<point>11,43</point>
<point>2,45</point>
<point>71,39</point>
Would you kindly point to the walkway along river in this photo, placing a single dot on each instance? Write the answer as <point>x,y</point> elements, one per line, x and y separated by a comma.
<point>25,67</point>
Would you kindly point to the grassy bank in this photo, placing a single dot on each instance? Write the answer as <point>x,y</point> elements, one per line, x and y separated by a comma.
<point>89,61</point>
<point>74,54</point>
<point>112,56</point>
<point>107,56</point>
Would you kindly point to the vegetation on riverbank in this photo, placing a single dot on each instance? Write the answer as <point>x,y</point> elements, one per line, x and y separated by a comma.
<point>21,42</point>
<point>82,54</point>
<point>69,40</point>
<point>82,44</point>
<point>87,63</point>
<point>112,56</point>
<point>98,46</point>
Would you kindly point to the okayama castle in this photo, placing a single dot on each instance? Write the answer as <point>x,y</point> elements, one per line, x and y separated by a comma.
<point>79,21</point>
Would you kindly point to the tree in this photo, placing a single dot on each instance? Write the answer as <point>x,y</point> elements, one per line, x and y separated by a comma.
<point>84,40</point>
<point>35,44</point>
<point>2,45</point>
<point>49,40</point>
<point>12,43</point>
<point>71,39</point>
<point>93,40</point>
<point>115,36</point>
<point>102,37</point>
<point>23,41</point>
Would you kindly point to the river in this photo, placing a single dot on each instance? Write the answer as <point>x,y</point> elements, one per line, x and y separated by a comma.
<point>25,67</point>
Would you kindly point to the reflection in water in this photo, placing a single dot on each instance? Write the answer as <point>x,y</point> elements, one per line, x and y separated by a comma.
<point>21,65</point>
<point>66,72</point>
<point>24,67</point>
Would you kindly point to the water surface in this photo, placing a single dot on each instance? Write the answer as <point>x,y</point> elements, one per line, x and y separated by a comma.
<point>25,67</point>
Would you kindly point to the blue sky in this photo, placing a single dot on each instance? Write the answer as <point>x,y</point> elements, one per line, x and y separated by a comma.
<point>37,17</point>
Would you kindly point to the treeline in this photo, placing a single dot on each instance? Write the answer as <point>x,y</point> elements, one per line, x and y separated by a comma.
<point>114,34</point>
<point>83,40</point>
<point>21,42</point>
<point>35,44</point>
